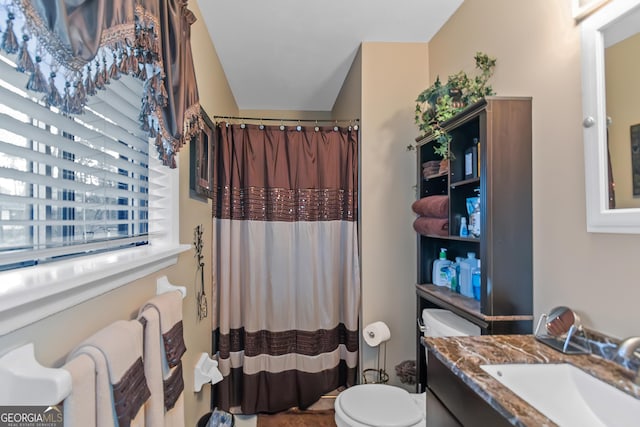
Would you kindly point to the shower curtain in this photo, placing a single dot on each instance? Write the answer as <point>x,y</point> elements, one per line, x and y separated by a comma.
<point>286,264</point>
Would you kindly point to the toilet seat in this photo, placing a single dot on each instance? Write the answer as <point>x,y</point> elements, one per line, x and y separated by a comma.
<point>377,405</point>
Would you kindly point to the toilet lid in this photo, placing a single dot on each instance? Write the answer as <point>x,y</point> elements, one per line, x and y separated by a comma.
<point>380,405</point>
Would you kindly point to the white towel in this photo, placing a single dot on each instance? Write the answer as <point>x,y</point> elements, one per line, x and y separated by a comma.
<point>175,417</point>
<point>153,353</point>
<point>116,350</point>
<point>80,406</point>
<point>168,307</point>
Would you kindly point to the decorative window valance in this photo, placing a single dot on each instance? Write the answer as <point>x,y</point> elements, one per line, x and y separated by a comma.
<point>73,48</point>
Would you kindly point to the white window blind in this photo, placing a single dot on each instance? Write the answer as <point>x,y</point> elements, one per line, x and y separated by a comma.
<point>71,185</point>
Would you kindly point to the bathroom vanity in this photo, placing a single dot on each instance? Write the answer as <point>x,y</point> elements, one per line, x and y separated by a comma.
<point>473,397</point>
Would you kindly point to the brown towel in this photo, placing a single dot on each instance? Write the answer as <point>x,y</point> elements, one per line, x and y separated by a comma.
<point>431,226</point>
<point>432,206</point>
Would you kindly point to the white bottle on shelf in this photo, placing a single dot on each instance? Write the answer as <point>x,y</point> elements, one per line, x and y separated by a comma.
<point>466,269</point>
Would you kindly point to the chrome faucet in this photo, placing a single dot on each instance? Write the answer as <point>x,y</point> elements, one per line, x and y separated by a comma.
<point>626,350</point>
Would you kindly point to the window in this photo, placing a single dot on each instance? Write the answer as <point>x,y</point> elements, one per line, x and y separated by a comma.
<point>86,205</point>
<point>70,185</point>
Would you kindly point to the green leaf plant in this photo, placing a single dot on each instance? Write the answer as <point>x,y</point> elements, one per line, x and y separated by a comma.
<point>440,102</point>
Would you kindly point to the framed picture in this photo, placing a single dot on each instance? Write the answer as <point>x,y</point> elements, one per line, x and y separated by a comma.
<point>635,159</point>
<point>583,8</point>
<point>201,157</point>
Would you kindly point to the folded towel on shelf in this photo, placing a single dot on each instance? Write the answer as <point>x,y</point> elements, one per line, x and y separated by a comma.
<point>431,226</point>
<point>432,206</point>
<point>79,407</point>
<point>164,347</point>
<point>121,387</point>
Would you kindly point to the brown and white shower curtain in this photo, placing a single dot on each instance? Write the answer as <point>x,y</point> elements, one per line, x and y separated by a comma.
<point>287,271</point>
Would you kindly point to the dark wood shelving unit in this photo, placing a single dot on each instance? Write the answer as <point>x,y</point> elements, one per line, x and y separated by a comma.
<point>502,126</point>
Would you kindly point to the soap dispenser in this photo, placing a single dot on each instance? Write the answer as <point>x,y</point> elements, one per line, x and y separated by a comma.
<point>440,269</point>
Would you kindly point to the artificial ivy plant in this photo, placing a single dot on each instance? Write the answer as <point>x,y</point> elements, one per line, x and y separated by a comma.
<point>440,102</point>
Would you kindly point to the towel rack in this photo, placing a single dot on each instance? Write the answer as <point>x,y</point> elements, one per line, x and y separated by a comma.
<point>163,285</point>
<point>26,382</point>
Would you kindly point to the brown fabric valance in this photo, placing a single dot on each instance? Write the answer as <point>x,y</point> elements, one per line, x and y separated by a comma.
<point>72,48</point>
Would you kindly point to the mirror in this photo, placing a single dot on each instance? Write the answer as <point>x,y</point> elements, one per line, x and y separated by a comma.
<point>583,8</point>
<point>563,331</point>
<point>560,320</point>
<point>611,117</point>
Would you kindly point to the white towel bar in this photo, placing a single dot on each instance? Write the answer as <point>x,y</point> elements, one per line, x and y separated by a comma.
<point>26,382</point>
<point>163,285</point>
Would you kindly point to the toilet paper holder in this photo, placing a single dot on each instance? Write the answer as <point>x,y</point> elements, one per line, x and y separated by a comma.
<point>377,334</point>
<point>205,371</point>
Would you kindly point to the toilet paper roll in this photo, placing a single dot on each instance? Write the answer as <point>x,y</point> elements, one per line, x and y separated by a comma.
<point>376,333</point>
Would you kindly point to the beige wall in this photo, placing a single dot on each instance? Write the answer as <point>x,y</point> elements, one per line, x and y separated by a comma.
<point>538,49</point>
<point>286,114</point>
<point>55,336</point>
<point>391,76</point>
<point>623,91</point>
<point>348,103</point>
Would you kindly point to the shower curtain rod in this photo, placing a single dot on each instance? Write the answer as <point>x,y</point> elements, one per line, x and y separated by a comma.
<point>260,119</point>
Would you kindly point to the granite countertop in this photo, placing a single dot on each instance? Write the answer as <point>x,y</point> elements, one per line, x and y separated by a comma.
<point>464,355</point>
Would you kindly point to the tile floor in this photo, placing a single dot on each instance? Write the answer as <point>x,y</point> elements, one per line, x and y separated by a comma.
<point>325,402</point>
<point>246,420</point>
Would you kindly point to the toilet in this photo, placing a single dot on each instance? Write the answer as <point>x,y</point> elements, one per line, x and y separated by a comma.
<point>376,405</point>
<point>382,405</point>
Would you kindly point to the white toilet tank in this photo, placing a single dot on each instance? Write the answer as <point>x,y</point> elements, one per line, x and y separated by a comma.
<point>443,323</point>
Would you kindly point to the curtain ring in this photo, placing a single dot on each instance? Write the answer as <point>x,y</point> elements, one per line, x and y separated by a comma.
<point>316,128</point>
<point>281,125</point>
<point>298,128</point>
<point>335,128</point>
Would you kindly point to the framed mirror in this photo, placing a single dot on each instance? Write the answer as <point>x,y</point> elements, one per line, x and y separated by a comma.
<point>583,8</point>
<point>611,115</point>
<point>201,167</point>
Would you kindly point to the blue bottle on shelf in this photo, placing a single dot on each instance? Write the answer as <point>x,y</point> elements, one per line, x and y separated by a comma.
<point>464,230</point>
<point>476,281</point>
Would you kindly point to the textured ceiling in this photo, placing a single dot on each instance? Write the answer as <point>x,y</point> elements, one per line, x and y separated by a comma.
<point>295,54</point>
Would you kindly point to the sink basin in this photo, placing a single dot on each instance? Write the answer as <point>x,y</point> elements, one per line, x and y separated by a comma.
<point>567,395</point>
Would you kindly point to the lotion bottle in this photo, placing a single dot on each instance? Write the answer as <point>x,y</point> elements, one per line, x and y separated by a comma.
<point>440,266</point>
